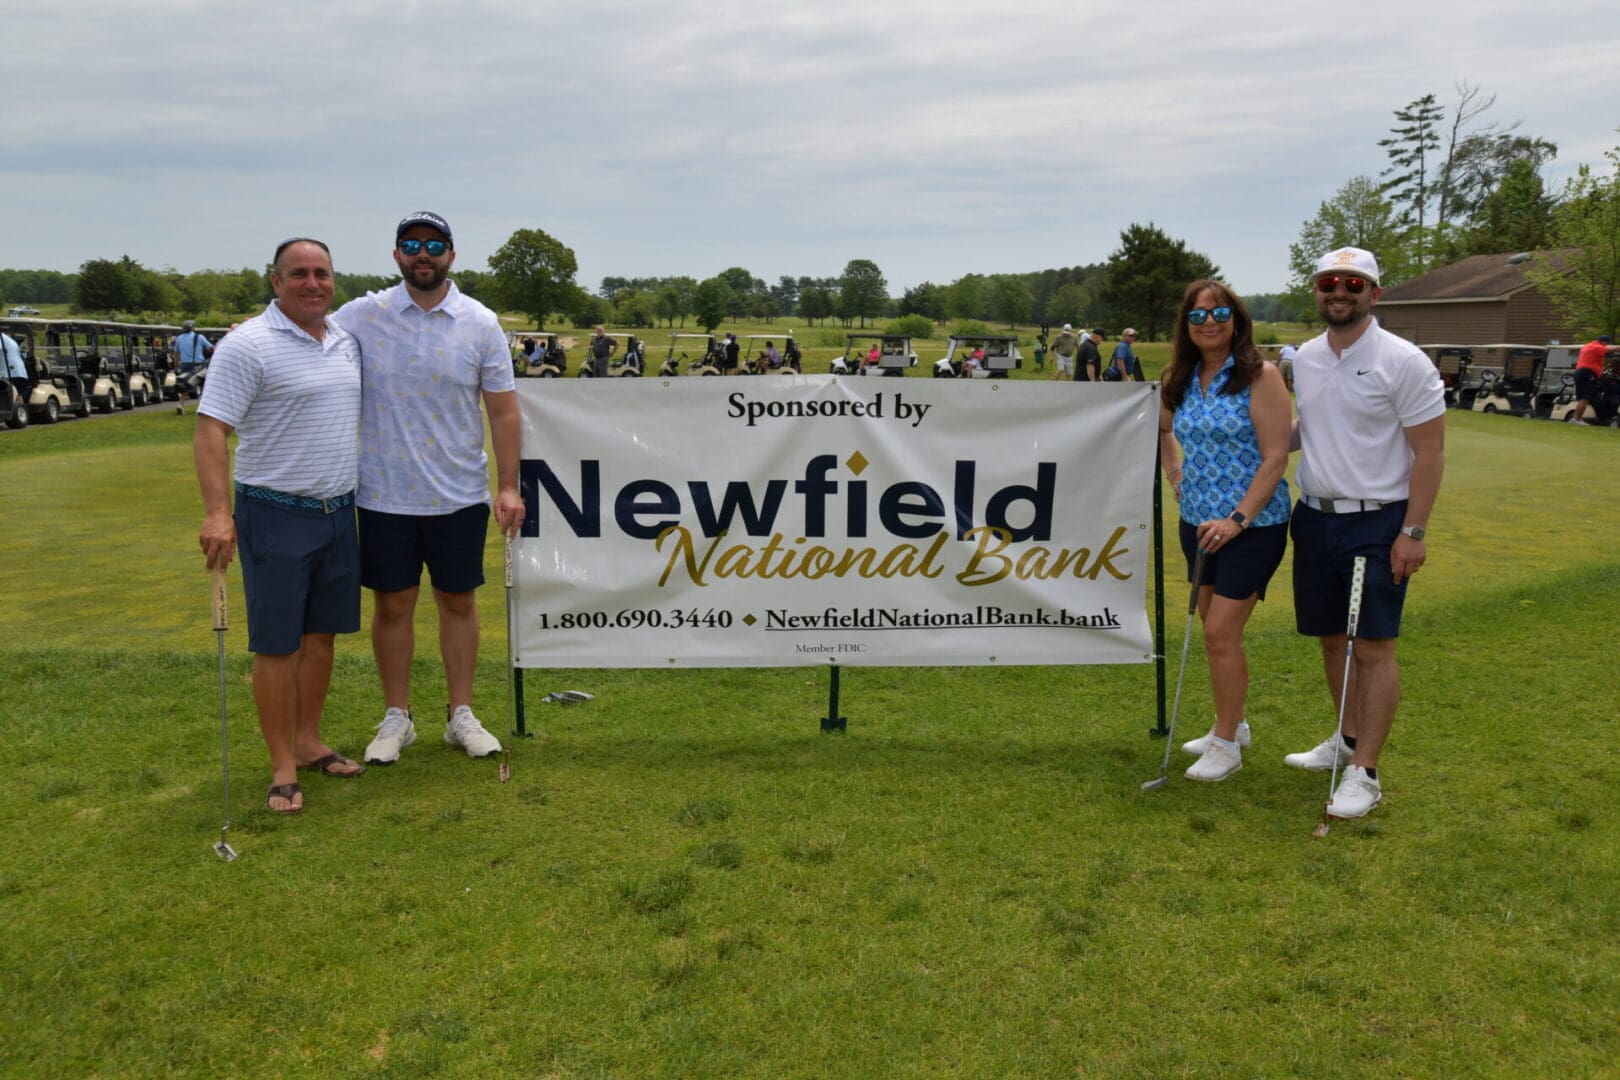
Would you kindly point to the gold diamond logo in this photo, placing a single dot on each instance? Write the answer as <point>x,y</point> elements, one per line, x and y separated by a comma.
<point>857,464</point>
<point>749,620</point>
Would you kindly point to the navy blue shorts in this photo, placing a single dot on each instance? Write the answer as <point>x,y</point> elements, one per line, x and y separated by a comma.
<point>1325,547</point>
<point>395,547</point>
<point>1586,381</point>
<point>1244,565</point>
<point>300,573</point>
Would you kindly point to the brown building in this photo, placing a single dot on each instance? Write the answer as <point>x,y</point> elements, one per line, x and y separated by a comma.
<point>1481,300</point>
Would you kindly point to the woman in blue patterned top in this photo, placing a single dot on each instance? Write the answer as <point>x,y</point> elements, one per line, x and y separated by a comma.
<point>1224,421</point>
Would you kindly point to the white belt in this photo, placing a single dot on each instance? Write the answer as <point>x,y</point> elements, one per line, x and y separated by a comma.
<point>1341,506</point>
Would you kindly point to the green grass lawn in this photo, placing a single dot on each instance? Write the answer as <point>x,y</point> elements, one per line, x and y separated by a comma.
<point>684,878</point>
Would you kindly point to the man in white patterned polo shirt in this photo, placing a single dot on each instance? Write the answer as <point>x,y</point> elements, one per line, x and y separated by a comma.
<point>288,384</point>
<point>429,356</point>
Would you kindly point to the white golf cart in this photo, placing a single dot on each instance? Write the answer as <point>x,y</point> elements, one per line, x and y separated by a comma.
<point>550,357</point>
<point>1000,351</point>
<point>894,355</point>
<point>699,352</point>
<point>756,360</point>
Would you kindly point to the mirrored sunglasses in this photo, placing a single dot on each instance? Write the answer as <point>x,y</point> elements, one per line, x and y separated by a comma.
<point>435,248</point>
<point>1198,316</point>
<point>1352,285</point>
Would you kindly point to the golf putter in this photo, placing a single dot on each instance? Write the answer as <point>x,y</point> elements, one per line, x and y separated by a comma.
<point>222,848</point>
<point>1181,673</point>
<point>1358,576</point>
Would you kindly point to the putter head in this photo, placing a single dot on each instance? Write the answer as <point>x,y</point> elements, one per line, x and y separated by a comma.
<point>1154,785</point>
<point>1322,826</point>
<point>224,851</point>
<point>569,697</point>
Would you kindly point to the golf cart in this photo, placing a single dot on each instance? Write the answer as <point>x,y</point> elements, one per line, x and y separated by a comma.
<point>631,364</point>
<point>190,383</point>
<point>1001,355</point>
<point>159,344</point>
<point>549,360</point>
<point>1513,389</point>
<point>894,355</point>
<point>1603,408</point>
<point>102,366</point>
<point>682,347</point>
<point>13,389</point>
<point>756,362</point>
<point>1453,363</point>
<point>55,385</point>
<point>140,367</point>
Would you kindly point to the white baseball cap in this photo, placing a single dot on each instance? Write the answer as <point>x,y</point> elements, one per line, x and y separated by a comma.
<point>1067,328</point>
<point>1348,260</point>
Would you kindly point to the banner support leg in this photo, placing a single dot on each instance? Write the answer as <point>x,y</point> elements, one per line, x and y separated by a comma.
<point>1159,730</point>
<point>832,721</point>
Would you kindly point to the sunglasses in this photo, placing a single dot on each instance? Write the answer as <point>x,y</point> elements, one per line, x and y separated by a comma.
<point>1198,316</point>
<point>435,248</point>
<point>1352,285</point>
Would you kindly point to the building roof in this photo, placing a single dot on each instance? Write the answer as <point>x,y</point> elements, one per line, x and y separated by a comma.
<point>1478,277</point>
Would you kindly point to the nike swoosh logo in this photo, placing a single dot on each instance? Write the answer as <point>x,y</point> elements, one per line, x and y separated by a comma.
<point>1363,372</point>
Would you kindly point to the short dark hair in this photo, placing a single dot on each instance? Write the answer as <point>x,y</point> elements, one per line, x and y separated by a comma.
<point>275,259</point>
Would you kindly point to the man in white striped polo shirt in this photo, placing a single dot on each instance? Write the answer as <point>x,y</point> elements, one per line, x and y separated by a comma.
<point>288,384</point>
<point>430,357</point>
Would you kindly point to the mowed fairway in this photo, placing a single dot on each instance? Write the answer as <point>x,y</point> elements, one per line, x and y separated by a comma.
<point>684,878</point>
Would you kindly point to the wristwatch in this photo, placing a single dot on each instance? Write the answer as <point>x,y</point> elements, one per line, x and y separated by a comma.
<point>1416,532</point>
<point>1237,516</point>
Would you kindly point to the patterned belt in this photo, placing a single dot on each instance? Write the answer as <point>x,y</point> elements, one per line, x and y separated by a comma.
<point>1341,506</point>
<point>302,502</point>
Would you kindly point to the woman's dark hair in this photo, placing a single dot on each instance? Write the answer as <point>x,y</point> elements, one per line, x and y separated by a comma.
<point>1185,355</point>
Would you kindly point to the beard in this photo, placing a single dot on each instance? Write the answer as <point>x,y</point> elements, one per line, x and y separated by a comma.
<point>425,277</point>
<point>1353,315</point>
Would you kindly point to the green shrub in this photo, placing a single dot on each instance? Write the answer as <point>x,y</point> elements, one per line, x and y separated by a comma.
<point>913,326</point>
<point>971,328</point>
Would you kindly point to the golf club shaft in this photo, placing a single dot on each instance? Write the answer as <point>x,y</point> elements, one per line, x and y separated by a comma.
<point>1181,672</point>
<point>514,676</point>
<point>1358,577</point>
<point>217,589</point>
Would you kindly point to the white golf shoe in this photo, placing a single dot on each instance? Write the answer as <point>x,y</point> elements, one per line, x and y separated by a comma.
<point>1358,793</point>
<point>1320,756</point>
<point>1200,744</point>
<point>465,731</point>
<point>1218,761</point>
<point>394,734</point>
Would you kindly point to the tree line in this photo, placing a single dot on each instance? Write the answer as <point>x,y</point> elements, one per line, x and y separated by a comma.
<point>1455,184</point>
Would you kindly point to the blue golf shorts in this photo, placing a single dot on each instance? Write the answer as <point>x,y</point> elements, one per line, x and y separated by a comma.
<point>1244,565</point>
<point>300,573</point>
<point>395,547</point>
<point>1325,548</point>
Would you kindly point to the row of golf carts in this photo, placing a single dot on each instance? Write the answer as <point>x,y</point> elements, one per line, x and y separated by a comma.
<point>1523,380</point>
<point>542,354</point>
<point>73,366</point>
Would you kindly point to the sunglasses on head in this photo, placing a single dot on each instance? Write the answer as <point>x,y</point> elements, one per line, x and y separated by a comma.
<point>1352,284</point>
<point>1198,316</point>
<point>435,248</point>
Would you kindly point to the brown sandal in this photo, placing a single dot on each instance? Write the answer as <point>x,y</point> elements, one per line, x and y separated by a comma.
<point>324,766</point>
<point>282,791</point>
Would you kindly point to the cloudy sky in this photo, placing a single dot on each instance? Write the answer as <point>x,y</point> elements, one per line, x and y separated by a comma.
<point>688,136</point>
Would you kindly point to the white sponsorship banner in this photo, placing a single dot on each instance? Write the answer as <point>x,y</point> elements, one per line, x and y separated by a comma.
<point>774,521</point>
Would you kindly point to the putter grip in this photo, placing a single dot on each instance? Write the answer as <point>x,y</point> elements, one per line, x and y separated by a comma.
<point>508,562</point>
<point>1358,578</point>
<point>217,590</point>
